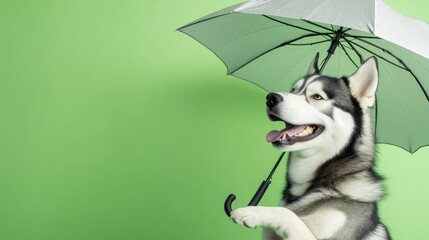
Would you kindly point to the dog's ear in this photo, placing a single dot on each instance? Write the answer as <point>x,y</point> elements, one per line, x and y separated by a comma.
<point>363,83</point>
<point>314,68</point>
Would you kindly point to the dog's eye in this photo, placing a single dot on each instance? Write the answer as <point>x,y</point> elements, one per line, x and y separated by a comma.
<point>317,97</point>
<point>292,90</point>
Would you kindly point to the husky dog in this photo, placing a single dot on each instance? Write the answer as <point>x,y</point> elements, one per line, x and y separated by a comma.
<point>332,189</point>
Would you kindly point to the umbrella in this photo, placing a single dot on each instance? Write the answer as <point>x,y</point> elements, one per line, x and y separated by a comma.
<point>269,42</point>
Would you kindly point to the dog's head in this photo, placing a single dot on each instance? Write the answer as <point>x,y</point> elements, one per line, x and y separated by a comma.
<point>322,111</point>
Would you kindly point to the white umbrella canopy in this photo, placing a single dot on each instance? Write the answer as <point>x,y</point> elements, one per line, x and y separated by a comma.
<point>271,42</point>
<point>371,16</point>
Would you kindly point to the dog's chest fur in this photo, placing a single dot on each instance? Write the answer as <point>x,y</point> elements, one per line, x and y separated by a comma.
<point>336,197</point>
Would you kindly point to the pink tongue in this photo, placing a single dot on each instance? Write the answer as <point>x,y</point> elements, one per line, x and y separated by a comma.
<point>275,135</point>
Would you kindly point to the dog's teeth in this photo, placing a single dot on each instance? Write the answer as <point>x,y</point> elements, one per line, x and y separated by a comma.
<point>307,131</point>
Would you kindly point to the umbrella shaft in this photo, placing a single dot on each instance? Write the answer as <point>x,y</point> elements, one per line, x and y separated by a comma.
<point>334,44</point>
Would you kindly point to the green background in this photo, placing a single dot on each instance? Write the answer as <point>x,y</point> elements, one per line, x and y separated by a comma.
<point>115,126</point>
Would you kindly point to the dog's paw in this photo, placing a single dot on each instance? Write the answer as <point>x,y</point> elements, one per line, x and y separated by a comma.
<point>246,216</point>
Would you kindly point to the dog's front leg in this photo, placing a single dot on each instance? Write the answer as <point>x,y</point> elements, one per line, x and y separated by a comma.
<point>284,222</point>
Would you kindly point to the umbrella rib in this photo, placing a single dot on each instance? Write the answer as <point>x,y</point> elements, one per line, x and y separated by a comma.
<point>400,104</point>
<point>317,25</point>
<point>348,55</point>
<point>306,44</point>
<point>274,48</point>
<point>291,25</point>
<point>376,119</point>
<point>404,66</point>
<point>355,50</point>
<point>360,37</point>
<point>379,56</point>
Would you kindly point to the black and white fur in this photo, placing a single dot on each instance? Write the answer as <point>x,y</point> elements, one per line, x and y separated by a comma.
<point>332,189</point>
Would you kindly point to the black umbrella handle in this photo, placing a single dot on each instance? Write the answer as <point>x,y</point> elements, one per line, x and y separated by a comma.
<point>228,204</point>
<point>259,193</point>
<point>255,200</point>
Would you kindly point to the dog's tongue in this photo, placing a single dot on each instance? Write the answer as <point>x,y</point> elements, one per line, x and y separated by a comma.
<point>291,130</point>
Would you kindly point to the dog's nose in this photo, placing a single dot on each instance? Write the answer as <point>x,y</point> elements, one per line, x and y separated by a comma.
<point>273,99</point>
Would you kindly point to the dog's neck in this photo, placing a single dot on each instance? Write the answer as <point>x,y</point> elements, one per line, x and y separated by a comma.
<point>307,169</point>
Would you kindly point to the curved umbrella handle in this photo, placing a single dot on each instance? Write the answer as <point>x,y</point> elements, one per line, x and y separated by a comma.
<point>255,200</point>
<point>259,193</point>
<point>228,203</point>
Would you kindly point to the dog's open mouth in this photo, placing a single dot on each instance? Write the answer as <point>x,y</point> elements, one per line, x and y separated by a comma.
<point>294,133</point>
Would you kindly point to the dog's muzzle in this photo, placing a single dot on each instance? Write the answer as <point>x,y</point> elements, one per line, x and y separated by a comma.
<point>293,132</point>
